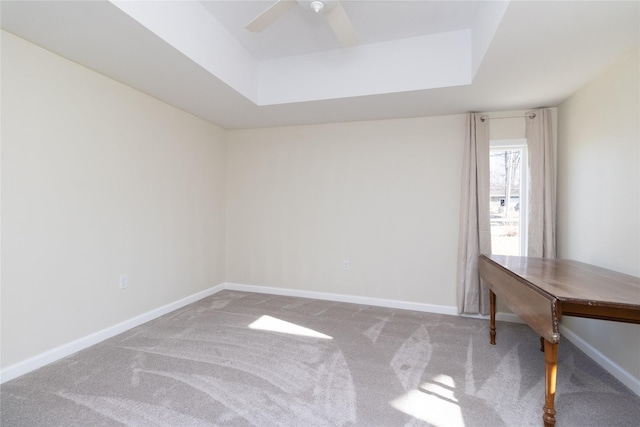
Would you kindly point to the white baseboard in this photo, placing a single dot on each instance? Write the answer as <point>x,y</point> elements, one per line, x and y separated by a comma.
<point>607,364</point>
<point>378,302</point>
<point>55,354</point>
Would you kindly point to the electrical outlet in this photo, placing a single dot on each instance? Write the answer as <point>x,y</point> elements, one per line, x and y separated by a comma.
<point>345,265</point>
<point>124,281</point>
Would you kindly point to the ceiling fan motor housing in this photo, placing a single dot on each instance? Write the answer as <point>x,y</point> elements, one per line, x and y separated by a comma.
<point>318,5</point>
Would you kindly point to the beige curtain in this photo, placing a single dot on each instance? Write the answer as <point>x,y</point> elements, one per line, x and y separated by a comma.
<point>475,228</point>
<point>542,188</point>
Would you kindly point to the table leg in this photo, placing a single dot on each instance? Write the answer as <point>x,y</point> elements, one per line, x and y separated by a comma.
<point>550,368</point>
<point>492,313</point>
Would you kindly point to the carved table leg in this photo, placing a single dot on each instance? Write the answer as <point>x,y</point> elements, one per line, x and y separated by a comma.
<point>492,313</point>
<point>550,368</point>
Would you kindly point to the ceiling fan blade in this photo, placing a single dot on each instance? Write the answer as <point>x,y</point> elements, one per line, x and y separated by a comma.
<point>270,15</point>
<point>341,26</point>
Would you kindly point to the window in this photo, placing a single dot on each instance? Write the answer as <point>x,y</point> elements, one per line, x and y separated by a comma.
<point>508,185</point>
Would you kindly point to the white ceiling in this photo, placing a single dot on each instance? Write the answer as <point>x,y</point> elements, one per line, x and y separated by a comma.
<point>415,58</point>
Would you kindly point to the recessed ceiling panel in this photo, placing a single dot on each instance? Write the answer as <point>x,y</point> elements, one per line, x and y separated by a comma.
<point>302,31</point>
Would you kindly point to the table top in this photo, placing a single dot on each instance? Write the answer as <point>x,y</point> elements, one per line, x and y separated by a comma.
<point>574,281</point>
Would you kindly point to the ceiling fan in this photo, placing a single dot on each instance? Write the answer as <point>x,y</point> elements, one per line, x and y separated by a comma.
<point>332,10</point>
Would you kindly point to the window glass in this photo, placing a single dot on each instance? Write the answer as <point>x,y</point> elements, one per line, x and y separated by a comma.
<point>508,197</point>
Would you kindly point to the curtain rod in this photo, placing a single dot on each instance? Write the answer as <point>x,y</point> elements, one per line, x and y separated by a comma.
<point>484,117</point>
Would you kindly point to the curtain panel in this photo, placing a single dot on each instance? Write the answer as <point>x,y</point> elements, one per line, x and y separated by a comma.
<point>541,230</point>
<point>475,227</point>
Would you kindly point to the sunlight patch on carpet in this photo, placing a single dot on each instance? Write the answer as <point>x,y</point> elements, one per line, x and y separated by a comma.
<point>272,324</point>
<point>434,402</point>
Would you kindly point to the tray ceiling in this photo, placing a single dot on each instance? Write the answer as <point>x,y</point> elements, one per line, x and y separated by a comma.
<point>415,58</point>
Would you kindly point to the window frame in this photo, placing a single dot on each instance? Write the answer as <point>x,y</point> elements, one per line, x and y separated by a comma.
<point>519,144</point>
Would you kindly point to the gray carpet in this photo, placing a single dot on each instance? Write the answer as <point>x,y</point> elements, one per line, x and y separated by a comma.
<point>222,362</point>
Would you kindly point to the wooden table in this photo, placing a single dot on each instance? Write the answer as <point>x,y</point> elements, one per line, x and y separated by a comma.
<point>541,290</point>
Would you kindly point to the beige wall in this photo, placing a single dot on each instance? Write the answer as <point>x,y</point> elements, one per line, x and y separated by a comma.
<point>384,195</point>
<point>98,180</point>
<point>599,194</point>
